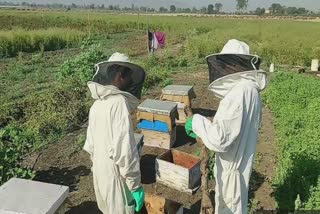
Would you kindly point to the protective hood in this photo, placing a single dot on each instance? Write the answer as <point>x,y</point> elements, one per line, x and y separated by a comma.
<point>235,57</point>
<point>137,73</point>
<point>234,46</point>
<point>100,92</point>
<point>223,85</point>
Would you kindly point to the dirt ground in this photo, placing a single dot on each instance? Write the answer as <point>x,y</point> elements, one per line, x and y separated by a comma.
<point>64,163</point>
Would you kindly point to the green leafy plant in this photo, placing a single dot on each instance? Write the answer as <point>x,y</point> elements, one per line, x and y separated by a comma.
<point>295,101</point>
<point>82,66</point>
<point>14,143</point>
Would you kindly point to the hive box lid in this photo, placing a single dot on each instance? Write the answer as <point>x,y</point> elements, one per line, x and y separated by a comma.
<point>158,107</point>
<point>179,90</point>
<point>19,196</point>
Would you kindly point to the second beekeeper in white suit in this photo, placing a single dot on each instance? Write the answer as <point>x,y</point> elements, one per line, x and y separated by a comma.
<point>110,138</point>
<point>233,133</point>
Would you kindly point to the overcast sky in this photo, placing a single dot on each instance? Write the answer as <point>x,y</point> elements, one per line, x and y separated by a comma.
<point>228,5</point>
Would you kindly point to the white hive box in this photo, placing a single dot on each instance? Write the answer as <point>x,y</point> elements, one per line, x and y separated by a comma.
<point>179,170</point>
<point>158,107</point>
<point>179,90</point>
<point>19,196</point>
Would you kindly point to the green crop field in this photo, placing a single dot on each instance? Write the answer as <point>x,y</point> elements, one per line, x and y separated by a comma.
<point>47,57</point>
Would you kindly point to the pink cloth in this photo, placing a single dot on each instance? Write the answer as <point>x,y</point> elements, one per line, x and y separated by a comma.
<point>161,37</point>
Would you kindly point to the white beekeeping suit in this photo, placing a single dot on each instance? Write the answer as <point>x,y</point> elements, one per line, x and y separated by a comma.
<point>111,145</point>
<point>233,136</point>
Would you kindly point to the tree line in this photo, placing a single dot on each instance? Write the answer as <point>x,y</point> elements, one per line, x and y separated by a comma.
<point>278,9</point>
<point>274,9</point>
<point>211,9</point>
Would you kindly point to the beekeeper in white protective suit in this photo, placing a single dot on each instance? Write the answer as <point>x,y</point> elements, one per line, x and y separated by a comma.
<point>233,133</point>
<point>110,138</point>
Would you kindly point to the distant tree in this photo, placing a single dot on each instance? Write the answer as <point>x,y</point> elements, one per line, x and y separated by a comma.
<point>163,10</point>
<point>302,10</point>
<point>102,6</point>
<point>143,9</point>
<point>210,8</point>
<point>172,8</point>
<point>151,10</point>
<point>291,10</point>
<point>204,10</point>
<point>24,4</point>
<point>110,7</point>
<point>194,10</point>
<point>186,10</point>
<point>218,7</point>
<point>92,6</point>
<point>73,5</point>
<point>242,4</point>
<point>277,8</point>
<point>260,11</point>
<point>116,7</point>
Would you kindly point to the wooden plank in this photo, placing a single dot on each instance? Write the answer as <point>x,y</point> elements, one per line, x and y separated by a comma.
<point>195,176</point>
<point>184,159</point>
<point>159,205</point>
<point>159,139</point>
<point>167,156</point>
<point>165,167</point>
<point>179,188</point>
<point>172,175</point>
<point>176,98</point>
<point>182,116</point>
<point>154,204</point>
<point>190,162</point>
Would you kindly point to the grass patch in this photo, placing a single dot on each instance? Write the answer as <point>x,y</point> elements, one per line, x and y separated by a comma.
<point>14,41</point>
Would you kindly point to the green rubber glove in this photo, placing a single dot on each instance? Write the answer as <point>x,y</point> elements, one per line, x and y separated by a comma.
<point>138,196</point>
<point>188,128</point>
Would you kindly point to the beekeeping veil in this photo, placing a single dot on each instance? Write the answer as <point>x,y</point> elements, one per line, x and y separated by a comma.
<point>231,65</point>
<point>137,73</point>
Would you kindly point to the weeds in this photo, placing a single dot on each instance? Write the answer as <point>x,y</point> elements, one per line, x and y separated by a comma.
<point>29,121</point>
<point>81,67</point>
<point>295,102</point>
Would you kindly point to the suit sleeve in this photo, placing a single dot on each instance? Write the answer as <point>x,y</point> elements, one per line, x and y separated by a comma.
<point>125,153</point>
<point>220,134</point>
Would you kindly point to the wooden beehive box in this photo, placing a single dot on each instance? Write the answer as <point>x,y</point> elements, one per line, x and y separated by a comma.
<point>179,170</point>
<point>182,95</point>
<point>156,110</point>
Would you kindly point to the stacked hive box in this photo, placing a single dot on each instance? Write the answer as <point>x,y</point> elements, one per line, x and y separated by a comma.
<point>156,120</point>
<point>182,95</point>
